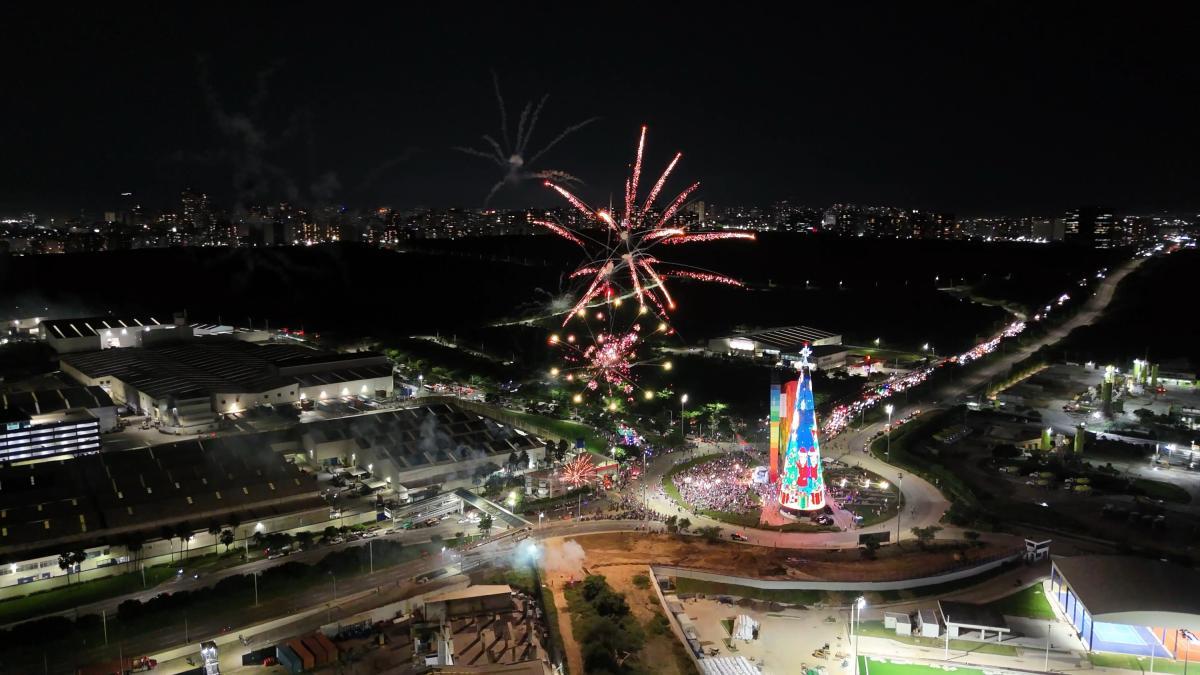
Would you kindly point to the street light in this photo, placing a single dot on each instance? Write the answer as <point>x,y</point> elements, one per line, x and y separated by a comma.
<point>856,616</point>
<point>682,418</point>
<point>331,576</point>
<point>888,409</point>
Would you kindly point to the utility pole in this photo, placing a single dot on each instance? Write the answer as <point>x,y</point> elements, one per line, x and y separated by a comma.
<point>946,655</point>
<point>1046,661</point>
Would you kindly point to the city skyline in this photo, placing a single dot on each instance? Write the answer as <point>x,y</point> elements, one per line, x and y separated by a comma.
<point>976,110</point>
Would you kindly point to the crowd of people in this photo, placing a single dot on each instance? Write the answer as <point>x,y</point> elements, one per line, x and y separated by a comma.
<point>722,484</point>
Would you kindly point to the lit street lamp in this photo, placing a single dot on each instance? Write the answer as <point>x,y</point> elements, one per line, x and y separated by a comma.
<point>682,418</point>
<point>888,409</point>
<point>856,616</point>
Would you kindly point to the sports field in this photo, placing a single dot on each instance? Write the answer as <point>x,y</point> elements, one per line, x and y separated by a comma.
<point>868,665</point>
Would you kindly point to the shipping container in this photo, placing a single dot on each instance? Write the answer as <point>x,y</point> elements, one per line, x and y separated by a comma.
<point>331,648</point>
<point>288,659</point>
<point>317,650</point>
<point>306,656</point>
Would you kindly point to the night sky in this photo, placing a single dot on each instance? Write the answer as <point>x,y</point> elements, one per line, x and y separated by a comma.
<point>966,107</point>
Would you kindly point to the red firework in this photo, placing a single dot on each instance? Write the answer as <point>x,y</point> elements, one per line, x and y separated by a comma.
<point>579,471</point>
<point>623,266</point>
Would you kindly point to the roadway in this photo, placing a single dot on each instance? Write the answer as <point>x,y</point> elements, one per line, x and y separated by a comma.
<point>187,582</point>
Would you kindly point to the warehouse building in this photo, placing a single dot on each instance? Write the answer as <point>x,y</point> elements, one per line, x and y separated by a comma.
<point>185,387</point>
<point>89,334</point>
<point>103,503</point>
<point>417,446</point>
<point>53,422</point>
<point>784,344</point>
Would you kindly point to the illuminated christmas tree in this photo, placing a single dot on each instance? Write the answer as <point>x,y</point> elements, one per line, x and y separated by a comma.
<point>802,483</point>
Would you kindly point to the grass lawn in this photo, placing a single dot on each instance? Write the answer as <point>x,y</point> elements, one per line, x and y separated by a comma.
<point>1157,489</point>
<point>87,592</point>
<point>1030,603</point>
<point>1137,663</point>
<point>868,665</point>
<point>790,596</point>
<point>869,517</point>
<point>876,629</point>
<point>567,429</point>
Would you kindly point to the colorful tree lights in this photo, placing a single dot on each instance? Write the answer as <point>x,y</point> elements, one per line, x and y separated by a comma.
<point>801,482</point>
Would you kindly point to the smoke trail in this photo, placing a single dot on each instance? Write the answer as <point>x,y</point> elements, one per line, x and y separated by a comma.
<point>512,157</point>
<point>564,558</point>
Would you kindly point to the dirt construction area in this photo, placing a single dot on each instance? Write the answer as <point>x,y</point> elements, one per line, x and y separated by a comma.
<point>626,548</point>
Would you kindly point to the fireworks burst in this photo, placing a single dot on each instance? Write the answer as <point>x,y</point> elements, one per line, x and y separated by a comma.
<point>622,266</point>
<point>604,360</point>
<point>579,471</point>
<point>515,158</point>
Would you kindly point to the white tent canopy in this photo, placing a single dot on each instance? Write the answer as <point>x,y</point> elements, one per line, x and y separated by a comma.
<point>744,627</point>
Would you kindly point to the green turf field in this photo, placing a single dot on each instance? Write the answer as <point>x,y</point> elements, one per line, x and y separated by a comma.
<point>870,666</point>
<point>1029,602</point>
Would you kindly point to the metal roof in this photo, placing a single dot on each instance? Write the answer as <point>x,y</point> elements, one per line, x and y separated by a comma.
<point>1132,590</point>
<point>188,480</point>
<point>42,401</point>
<point>202,367</point>
<point>789,337</point>
<point>970,614</point>
<point>92,326</point>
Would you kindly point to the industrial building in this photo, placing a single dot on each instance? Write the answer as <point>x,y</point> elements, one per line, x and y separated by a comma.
<point>416,446</point>
<point>102,503</point>
<point>89,334</point>
<point>784,344</point>
<point>186,386</point>
<point>1129,605</point>
<point>54,422</point>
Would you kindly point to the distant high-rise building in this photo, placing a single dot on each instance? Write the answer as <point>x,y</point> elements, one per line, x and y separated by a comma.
<point>1048,229</point>
<point>1092,226</point>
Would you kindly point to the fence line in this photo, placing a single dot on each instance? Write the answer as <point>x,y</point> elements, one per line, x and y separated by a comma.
<point>788,584</point>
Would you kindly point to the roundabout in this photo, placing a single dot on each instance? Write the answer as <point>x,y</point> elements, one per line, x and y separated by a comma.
<point>799,499</point>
